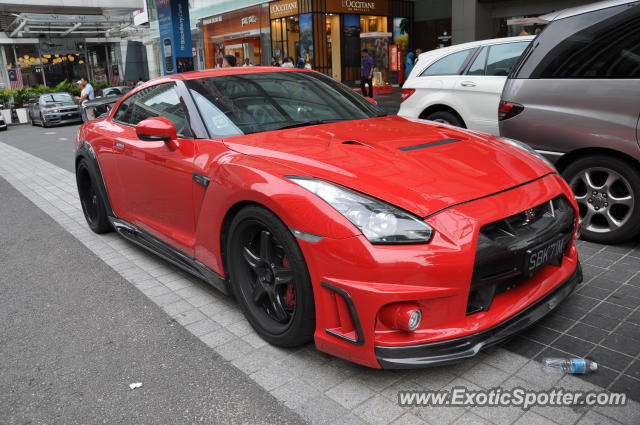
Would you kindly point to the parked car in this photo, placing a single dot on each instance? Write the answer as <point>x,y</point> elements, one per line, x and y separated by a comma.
<point>390,242</point>
<point>113,91</point>
<point>100,106</point>
<point>461,85</point>
<point>575,96</point>
<point>3,125</point>
<point>54,108</point>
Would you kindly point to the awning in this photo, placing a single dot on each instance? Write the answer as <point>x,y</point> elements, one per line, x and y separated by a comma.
<point>59,26</point>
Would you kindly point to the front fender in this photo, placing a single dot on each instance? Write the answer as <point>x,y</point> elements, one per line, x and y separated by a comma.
<point>244,179</point>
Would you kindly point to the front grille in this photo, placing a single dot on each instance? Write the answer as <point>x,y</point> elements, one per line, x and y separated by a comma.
<point>503,244</point>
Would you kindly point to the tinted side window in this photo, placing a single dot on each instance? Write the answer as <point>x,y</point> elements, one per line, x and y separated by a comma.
<point>502,57</point>
<point>477,67</point>
<point>600,44</point>
<point>123,114</point>
<point>157,101</point>
<point>448,65</point>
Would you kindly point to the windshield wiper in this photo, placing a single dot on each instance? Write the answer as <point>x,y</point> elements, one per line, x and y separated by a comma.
<point>306,123</point>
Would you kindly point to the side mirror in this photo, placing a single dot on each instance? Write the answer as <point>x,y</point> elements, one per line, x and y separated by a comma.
<point>156,129</point>
<point>372,100</point>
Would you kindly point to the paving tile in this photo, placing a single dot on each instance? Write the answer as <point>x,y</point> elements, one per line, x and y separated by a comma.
<point>628,414</point>
<point>560,414</point>
<point>486,376</point>
<point>470,418</point>
<point>535,373</point>
<point>556,322</point>
<point>217,337</point>
<point>612,359</point>
<point>593,292</point>
<point>322,410</point>
<point>621,343</point>
<point>350,393</point>
<point>439,415</point>
<point>408,419</point>
<point>593,418</point>
<point>523,346</point>
<point>379,411</point>
<point>188,317</point>
<point>630,330</point>
<point>541,334</point>
<point>178,307</point>
<point>603,377</point>
<point>573,345</point>
<point>202,327</point>
<point>272,376</point>
<point>601,322</point>
<point>498,415</point>
<point>433,378</point>
<point>634,370</point>
<point>628,385</point>
<point>587,332</point>
<point>296,393</point>
<point>532,418</point>
<point>234,349</point>
<point>505,360</point>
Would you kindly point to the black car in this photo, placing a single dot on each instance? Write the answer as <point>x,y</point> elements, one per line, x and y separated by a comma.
<point>54,108</point>
<point>113,91</point>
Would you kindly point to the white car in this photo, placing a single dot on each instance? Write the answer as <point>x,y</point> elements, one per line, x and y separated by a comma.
<point>461,84</point>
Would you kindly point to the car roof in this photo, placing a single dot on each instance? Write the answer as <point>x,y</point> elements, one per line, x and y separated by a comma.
<point>578,10</point>
<point>437,53</point>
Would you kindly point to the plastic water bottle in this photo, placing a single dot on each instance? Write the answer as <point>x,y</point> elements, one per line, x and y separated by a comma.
<point>574,366</point>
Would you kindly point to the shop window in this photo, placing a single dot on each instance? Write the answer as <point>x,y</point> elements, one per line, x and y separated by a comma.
<point>285,38</point>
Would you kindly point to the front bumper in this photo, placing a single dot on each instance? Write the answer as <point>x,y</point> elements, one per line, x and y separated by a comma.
<point>450,351</point>
<point>63,118</point>
<point>353,279</point>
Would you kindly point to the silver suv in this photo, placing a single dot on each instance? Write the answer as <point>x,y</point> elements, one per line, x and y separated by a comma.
<point>575,96</point>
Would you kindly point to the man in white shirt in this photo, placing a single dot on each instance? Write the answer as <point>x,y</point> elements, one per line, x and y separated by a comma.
<point>86,94</point>
<point>288,63</point>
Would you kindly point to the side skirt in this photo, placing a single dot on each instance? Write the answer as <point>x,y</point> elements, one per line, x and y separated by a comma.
<point>169,253</point>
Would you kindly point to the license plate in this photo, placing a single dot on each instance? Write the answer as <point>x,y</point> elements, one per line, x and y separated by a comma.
<point>550,252</point>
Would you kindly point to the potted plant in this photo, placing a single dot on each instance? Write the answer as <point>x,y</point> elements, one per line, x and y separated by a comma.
<point>5,110</point>
<point>21,98</point>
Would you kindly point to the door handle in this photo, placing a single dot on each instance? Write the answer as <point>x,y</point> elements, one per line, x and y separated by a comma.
<point>468,84</point>
<point>119,145</point>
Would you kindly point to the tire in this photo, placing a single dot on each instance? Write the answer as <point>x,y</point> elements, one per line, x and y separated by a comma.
<point>43,122</point>
<point>607,190</point>
<point>446,117</point>
<point>93,206</point>
<point>266,264</point>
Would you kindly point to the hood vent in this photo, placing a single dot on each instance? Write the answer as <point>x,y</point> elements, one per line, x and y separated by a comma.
<point>430,144</point>
<point>356,143</point>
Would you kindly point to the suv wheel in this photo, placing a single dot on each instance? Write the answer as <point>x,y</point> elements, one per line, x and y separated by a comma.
<point>445,117</point>
<point>607,190</point>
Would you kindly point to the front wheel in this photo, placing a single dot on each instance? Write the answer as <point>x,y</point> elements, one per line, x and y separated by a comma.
<point>93,206</point>
<point>269,278</point>
<point>607,190</point>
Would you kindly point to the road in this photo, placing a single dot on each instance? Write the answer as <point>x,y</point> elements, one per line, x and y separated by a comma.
<point>86,315</point>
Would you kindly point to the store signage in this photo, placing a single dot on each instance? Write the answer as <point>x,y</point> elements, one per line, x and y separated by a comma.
<point>248,20</point>
<point>175,35</point>
<point>393,57</point>
<point>280,9</point>
<point>212,20</point>
<point>370,7</point>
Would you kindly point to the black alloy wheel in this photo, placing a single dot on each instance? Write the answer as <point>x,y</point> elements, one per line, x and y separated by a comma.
<point>607,190</point>
<point>269,278</point>
<point>92,203</point>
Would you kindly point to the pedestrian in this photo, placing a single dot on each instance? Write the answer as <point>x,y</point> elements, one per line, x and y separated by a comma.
<point>408,64</point>
<point>418,52</point>
<point>367,73</point>
<point>275,61</point>
<point>288,63</point>
<point>300,63</point>
<point>307,65</point>
<point>86,94</point>
<point>228,61</point>
<point>140,82</point>
<point>247,63</point>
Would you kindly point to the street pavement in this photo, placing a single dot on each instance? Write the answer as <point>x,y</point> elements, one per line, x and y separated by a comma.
<point>89,314</point>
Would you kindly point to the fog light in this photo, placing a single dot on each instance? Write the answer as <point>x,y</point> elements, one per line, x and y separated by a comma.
<point>401,316</point>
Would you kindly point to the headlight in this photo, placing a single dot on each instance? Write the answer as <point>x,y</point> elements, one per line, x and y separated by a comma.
<point>527,149</point>
<point>379,222</point>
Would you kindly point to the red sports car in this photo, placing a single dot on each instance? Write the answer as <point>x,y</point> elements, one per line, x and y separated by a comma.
<point>390,242</point>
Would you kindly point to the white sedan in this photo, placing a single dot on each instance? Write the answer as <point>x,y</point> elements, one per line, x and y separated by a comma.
<point>461,84</point>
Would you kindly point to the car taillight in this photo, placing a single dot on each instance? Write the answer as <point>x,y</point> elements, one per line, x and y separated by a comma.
<point>406,93</point>
<point>508,110</point>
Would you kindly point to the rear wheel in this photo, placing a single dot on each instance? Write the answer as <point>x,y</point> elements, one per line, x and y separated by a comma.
<point>269,278</point>
<point>445,117</point>
<point>607,190</point>
<point>93,205</point>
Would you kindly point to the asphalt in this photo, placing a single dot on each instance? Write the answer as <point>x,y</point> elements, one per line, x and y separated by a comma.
<point>53,144</point>
<point>75,334</point>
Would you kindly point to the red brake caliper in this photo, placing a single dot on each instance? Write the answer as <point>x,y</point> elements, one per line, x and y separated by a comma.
<point>290,294</point>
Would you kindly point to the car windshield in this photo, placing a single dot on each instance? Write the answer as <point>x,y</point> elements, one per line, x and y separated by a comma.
<point>56,97</point>
<point>232,105</point>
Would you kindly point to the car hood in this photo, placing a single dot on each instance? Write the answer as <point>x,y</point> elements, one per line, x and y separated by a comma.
<point>58,105</point>
<point>420,166</point>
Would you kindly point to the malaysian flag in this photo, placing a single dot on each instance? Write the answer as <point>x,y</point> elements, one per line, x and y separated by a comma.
<point>15,78</point>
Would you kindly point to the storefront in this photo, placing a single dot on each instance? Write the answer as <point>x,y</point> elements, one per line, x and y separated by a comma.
<point>243,33</point>
<point>330,35</point>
